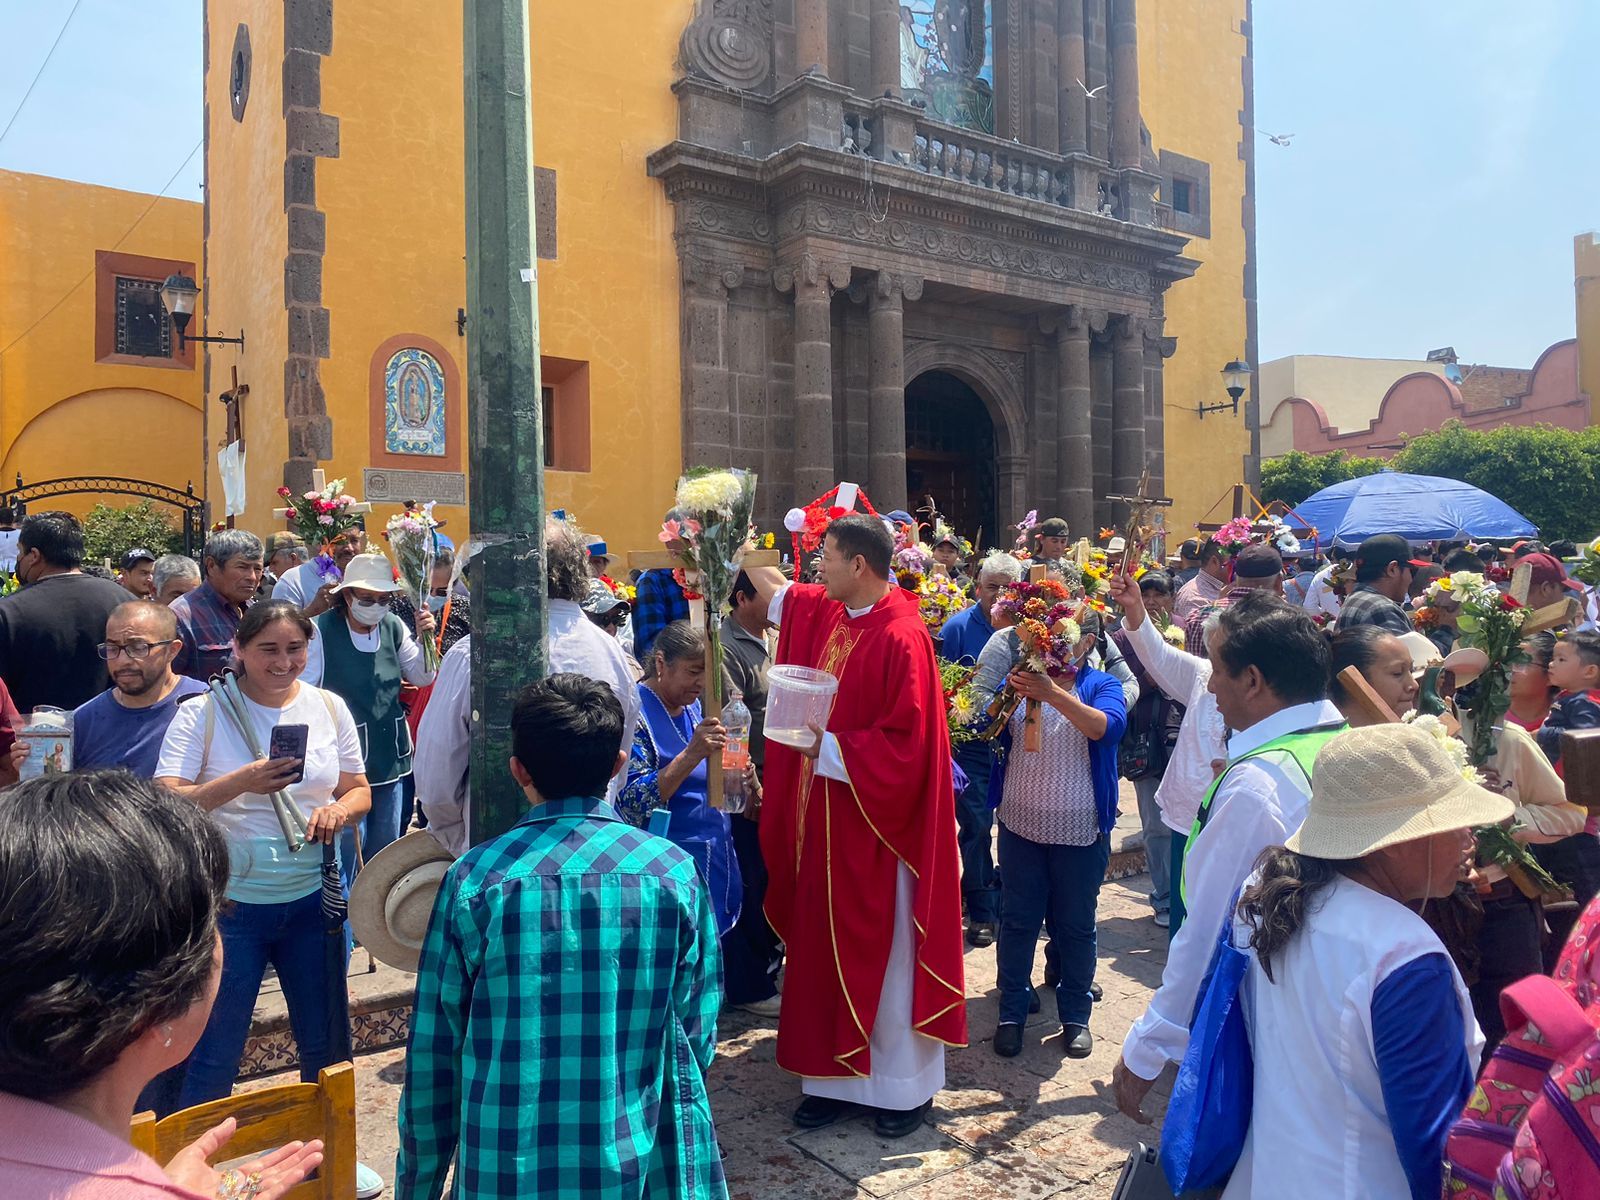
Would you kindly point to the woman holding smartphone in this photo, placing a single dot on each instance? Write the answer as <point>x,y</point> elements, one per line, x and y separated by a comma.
<point>276,914</point>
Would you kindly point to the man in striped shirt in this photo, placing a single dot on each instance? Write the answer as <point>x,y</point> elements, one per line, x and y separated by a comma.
<point>568,991</point>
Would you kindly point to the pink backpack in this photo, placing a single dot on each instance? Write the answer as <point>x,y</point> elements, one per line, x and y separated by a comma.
<point>1531,1130</point>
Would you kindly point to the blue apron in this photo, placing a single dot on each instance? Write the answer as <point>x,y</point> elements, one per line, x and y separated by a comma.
<point>701,831</point>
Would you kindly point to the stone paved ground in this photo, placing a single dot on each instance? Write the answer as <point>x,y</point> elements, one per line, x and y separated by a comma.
<point>1032,1127</point>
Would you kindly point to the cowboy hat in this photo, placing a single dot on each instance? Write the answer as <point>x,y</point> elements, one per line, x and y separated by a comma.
<point>1382,785</point>
<point>392,898</point>
<point>1424,653</point>
<point>370,573</point>
<point>1466,663</point>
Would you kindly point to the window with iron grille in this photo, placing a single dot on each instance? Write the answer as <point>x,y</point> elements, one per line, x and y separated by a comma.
<point>143,329</point>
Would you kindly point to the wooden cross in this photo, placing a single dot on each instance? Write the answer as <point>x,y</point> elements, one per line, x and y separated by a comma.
<point>232,400</point>
<point>1138,531</point>
<point>318,482</point>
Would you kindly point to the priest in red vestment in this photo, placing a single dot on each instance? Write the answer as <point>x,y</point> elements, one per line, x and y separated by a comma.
<point>858,829</point>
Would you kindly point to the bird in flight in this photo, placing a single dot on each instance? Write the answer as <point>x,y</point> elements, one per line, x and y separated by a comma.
<point>1090,93</point>
<point>1277,139</point>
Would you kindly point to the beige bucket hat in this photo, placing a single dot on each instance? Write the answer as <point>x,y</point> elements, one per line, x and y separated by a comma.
<point>1386,784</point>
<point>370,572</point>
<point>392,898</point>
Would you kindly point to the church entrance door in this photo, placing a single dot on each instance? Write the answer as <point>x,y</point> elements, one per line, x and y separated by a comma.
<point>950,455</point>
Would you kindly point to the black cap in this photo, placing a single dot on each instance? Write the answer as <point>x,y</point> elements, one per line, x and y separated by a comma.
<point>1375,554</point>
<point>1257,561</point>
<point>1052,527</point>
<point>136,556</point>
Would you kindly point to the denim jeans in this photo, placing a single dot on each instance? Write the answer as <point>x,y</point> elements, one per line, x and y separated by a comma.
<point>378,828</point>
<point>289,936</point>
<point>980,882</point>
<point>1061,883</point>
<point>1157,843</point>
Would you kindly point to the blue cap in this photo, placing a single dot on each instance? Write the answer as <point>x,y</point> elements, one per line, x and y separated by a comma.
<point>598,550</point>
<point>900,517</point>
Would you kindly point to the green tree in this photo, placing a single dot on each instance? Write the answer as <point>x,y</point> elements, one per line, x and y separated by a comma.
<point>1292,477</point>
<point>1549,475</point>
<point>109,533</point>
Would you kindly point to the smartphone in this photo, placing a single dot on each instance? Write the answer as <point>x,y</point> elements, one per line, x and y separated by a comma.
<point>289,741</point>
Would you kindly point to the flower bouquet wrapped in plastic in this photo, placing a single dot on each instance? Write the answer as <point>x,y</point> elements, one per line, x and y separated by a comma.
<point>1045,616</point>
<point>413,539</point>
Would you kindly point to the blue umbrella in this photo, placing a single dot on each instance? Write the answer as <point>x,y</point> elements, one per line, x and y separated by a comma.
<point>1420,508</point>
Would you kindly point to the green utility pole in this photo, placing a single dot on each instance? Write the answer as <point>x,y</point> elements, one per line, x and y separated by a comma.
<point>503,411</point>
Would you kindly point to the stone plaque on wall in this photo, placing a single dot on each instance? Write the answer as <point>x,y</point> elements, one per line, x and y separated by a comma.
<point>381,485</point>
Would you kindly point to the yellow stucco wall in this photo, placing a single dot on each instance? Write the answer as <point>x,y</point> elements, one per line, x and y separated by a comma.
<point>246,245</point>
<point>1191,92</point>
<point>63,413</point>
<point>395,214</point>
<point>1586,253</point>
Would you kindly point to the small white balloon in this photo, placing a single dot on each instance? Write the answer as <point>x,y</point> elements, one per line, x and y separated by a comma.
<point>795,520</point>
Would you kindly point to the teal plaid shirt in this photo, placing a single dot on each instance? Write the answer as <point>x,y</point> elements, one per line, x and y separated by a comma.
<point>565,1018</point>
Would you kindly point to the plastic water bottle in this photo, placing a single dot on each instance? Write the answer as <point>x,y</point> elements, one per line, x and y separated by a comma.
<point>736,720</point>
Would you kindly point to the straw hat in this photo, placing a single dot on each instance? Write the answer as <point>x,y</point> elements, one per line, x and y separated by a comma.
<point>370,572</point>
<point>1387,784</point>
<point>1424,653</point>
<point>392,898</point>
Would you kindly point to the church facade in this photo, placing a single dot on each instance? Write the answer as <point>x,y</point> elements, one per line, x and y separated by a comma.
<point>994,252</point>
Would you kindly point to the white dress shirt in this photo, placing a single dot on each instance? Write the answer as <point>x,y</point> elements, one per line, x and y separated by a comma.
<point>573,644</point>
<point>1320,596</point>
<point>1202,734</point>
<point>1260,803</point>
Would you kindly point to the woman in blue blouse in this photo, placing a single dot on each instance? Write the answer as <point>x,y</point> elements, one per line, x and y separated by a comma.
<point>667,766</point>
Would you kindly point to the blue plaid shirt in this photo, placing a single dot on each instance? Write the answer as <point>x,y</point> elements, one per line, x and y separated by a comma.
<point>565,1018</point>
<point>206,623</point>
<point>660,602</point>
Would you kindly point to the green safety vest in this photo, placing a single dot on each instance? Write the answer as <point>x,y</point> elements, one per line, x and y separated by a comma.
<point>1298,748</point>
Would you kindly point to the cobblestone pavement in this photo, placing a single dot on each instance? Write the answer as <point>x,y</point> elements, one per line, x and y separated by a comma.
<point>1034,1126</point>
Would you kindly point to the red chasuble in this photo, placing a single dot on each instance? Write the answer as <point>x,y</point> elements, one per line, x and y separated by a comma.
<point>832,848</point>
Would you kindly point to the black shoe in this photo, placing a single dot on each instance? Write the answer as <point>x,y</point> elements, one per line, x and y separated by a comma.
<point>816,1111</point>
<point>1096,993</point>
<point>1078,1041</point>
<point>1008,1040</point>
<point>981,934</point>
<point>896,1123</point>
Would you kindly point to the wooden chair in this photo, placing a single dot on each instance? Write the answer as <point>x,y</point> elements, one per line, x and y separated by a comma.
<point>291,1112</point>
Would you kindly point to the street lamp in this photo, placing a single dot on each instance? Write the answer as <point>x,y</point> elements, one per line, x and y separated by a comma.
<point>178,294</point>
<point>1235,378</point>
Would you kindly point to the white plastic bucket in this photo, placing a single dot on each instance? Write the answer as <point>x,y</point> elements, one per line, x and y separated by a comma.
<point>798,697</point>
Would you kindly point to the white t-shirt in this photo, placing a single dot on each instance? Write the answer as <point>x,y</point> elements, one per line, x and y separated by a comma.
<point>263,871</point>
<point>299,585</point>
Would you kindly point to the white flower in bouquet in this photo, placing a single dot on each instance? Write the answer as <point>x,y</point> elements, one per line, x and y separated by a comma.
<point>1454,747</point>
<point>715,491</point>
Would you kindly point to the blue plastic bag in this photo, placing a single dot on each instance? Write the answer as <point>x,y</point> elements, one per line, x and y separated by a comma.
<point>1209,1114</point>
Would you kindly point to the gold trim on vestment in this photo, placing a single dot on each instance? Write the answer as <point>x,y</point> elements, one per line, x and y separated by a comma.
<point>833,939</point>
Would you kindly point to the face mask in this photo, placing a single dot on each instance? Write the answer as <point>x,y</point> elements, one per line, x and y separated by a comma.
<point>436,603</point>
<point>368,612</point>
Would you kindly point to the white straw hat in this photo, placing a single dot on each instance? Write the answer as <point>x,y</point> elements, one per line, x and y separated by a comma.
<point>1385,784</point>
<point>370,572</point>
<point>1424,653</point>
<point>392,898</point>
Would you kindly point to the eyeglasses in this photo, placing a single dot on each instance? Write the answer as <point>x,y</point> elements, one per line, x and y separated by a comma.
<point>137,651</point>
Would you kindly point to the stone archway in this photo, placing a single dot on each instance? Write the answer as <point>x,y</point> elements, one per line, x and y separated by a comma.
<point>997,381</point>
<point>950,453</point>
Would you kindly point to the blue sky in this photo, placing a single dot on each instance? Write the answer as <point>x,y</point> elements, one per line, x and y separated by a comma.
<point>1444,155</point>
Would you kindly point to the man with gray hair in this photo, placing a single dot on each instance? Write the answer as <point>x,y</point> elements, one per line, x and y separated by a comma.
<point>573,644</point>
<point>175,575</point>
<point>961,641</point>
<point>208,616</point>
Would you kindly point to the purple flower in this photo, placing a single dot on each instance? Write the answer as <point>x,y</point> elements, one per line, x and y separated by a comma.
<point>328,570</point>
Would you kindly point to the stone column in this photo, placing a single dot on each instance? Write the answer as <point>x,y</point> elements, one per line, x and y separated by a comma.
<point>811,37</point>
<point>1075,433</point>
<point>812,284</point>
<point>886,374</point>
<point>707,391</point>
<point>1045,73</point>
<point>1157,349</point>
<point>1073,57</point>
<point>1013,499</point>
<point>885,45</point>
<point>1127,406</point>
<point>1124,46</point>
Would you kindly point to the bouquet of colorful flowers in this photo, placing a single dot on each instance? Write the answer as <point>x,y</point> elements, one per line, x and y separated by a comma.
<point>1048,634</point>
<point>960,702</point>
<point>413,538</point>
<point>911,564</point>
<point>939,599</point>
<point>1491,621</point>
<point>319,517</point>
<point>714,506</point>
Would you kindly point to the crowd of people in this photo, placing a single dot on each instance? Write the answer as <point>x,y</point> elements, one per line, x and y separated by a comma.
<point>250,729</point>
